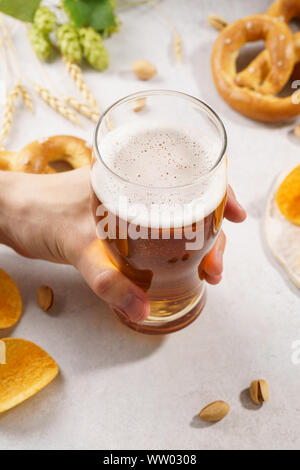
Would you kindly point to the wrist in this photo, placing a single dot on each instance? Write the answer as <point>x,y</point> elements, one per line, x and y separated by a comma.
<point>8,185</point>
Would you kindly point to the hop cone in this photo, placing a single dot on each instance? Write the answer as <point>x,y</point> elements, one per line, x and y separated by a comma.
<point>40,43</point>
<point>93,48</point>
<point>44,20</point>
<point>68,41</point>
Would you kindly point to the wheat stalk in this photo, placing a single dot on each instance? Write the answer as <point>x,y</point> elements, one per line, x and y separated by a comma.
<point>76,74</point>
<point>82,108</point>
<point>178,46</point>
<point>177,41</point>
<point>26,97</point>
<point>9,110</point>
<point>56,104</point>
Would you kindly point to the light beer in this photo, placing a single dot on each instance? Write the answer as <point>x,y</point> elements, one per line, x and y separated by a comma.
<point>151,165</point>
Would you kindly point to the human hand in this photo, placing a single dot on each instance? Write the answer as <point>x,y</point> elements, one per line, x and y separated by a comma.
<point>48,217</point>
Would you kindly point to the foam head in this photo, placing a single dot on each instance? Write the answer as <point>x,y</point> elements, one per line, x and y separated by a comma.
<point>154,163</point>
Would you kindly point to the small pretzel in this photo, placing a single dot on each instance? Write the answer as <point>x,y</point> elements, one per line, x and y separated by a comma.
<point>257,70</point>
<point>258,104</point>
<point>36,156</point>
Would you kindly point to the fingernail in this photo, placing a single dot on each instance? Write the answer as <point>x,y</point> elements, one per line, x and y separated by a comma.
<point>240,206</point>
<point>219,258</point>
<point>238,203</point>
<point>134,308</point>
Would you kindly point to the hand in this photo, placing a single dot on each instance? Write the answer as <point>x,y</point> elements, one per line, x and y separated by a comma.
<point>48,217</point>
<point>212,264</point>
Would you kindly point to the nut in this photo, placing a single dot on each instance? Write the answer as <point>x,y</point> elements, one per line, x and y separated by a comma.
<point>259,391</point>
<point>217,22</point>
<point>139,104</point>
<point>215,412</point>
<point>143,69</point>
<point>45,297</point>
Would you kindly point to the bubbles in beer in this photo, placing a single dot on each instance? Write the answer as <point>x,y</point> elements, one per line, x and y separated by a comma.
<point>158,156</point>
<point>157,164</point>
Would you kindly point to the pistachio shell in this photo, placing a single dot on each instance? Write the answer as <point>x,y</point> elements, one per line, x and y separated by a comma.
<point>214,412</point>
<point>45,297</point>
<point>259,391</point>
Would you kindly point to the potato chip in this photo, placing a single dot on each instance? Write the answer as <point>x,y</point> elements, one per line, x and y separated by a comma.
<point>10,301</point>
<point>288,196</point>
<point>282,236</point>
<point>28,369</point>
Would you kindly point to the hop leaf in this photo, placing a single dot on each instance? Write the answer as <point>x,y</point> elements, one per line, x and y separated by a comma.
<point>98,14</point>
<point>44,20</point>
<point>40,43</point>
<point>112,29</point>
<point>23,10</point>
<point>93,48</point>
<point>69,43</point>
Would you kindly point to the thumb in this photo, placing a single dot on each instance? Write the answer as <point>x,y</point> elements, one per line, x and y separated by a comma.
<point>111,285</point>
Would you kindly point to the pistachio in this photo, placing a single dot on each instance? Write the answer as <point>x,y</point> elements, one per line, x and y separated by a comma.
<point>45,297</point>
<point>259,391</point>
<point>215,412</point>
<point>143,69</point>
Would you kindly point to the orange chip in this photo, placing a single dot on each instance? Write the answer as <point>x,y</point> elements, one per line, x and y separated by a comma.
<point>10,301</point>
<point>288,197</point>
<point>28,369</point>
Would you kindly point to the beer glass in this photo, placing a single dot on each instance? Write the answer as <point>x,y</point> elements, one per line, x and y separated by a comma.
<point>159,187</point>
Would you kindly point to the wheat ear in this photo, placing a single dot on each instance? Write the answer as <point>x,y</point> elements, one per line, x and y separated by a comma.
<point>83,108</point>
<point>56,104</point>
<point>9,110</point>
<point>177,41</point>
<point>26,98</point>
<point>76,74</point>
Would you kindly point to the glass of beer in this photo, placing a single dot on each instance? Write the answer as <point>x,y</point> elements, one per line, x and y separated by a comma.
<point>159,187</point>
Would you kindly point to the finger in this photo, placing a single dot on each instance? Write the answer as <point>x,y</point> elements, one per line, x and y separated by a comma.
<point>233,210</point>
<point>213,279</point>
<point>111,285</point>
<point>212,264</point>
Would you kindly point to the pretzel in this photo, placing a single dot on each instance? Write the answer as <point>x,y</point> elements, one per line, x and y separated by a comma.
<point>36,156</point>
<point>285,10</point>
<point>257,70</point>
<point>258,104</point>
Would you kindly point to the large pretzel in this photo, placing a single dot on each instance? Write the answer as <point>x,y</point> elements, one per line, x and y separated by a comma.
<point>285,10</point>
<point>255,73</point>
<point>36,156</point>
<point>257,104</point>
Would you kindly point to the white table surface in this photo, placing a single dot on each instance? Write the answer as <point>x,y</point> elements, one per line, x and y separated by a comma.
<point>122,390</point>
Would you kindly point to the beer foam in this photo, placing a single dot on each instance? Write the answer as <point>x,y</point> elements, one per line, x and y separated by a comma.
<point>154,162</point>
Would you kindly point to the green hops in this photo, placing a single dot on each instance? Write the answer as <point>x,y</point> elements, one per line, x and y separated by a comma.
<point>40,43</point>
<point>68,41</point>
<point>44,20</point>
<point>93,48</point>
<point>43,23</point>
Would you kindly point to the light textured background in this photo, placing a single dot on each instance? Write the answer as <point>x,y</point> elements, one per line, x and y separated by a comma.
<point>119,389</point>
